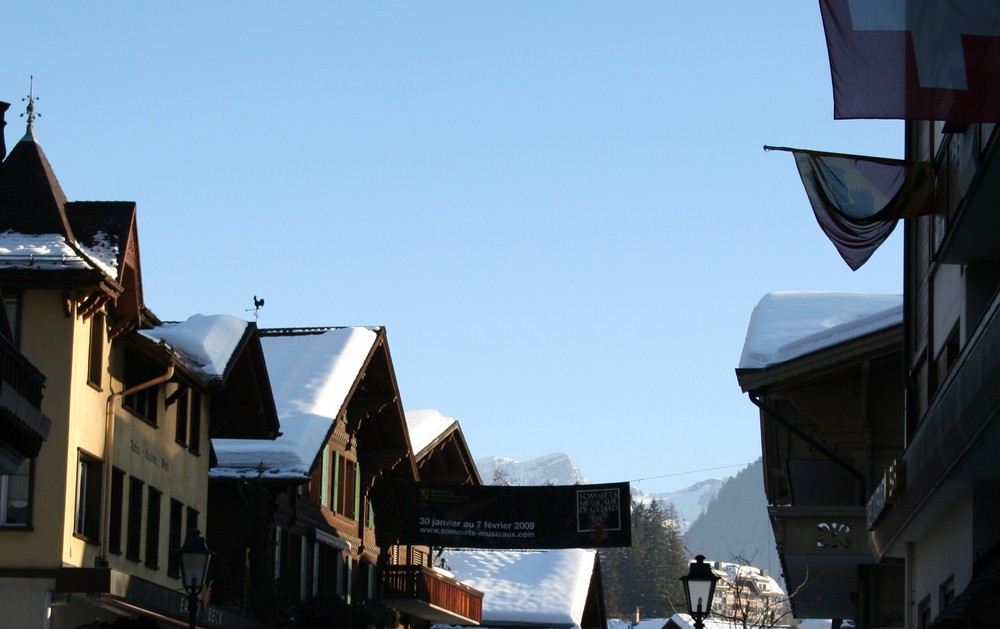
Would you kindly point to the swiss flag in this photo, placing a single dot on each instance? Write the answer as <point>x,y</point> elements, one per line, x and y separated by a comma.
<point>914,59</point>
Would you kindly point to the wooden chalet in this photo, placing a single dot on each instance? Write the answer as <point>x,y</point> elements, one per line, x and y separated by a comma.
<point>831,406</point>
<point>316,512</point>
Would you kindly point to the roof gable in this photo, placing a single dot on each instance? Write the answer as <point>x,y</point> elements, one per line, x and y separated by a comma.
<point>222,354</point>
<point>439,447</point>
<point>312,375</point>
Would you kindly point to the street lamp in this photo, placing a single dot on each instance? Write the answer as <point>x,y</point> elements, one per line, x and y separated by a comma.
<point>699,588</point>
<point>195,557</point>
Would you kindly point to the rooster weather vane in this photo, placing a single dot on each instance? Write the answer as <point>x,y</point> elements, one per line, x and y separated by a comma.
<point>257,305</point>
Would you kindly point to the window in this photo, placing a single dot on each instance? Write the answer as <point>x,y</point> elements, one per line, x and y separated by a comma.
<point>153,528</point>
<point>134,519</point>
<point>142,403</point>
<point>347,487</point>
<point>12,308</point>
<point>174,538</point>
<point>15,496</point>
<point>192,518</point>
<point>947,592</point>
<point>924,613</point>
<point>95,368</point>
<point>182,418</point>
<point>194,429</point>
<point>117,504</point>
<point>88,498</point>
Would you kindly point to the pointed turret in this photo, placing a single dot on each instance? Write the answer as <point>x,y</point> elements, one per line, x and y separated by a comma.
<point>31,199</point>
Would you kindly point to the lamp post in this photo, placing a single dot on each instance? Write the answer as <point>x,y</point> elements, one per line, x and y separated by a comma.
<point>699,588</point>
<point>195,557</point>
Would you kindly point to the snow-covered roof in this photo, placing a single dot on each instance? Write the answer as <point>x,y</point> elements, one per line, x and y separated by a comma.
<point>311,376</point>
<point>426,425</point>
<point>52,252</point>
<point>527,588</point>
<point>788,325</point>
<point>206,342</point>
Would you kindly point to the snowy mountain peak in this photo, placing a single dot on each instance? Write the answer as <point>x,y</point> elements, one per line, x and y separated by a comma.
<point>556,468</point>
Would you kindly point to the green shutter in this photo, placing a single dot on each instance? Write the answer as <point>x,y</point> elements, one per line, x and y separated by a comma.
<point>336,481</point>
<point>357,491</point>
<point>324,478</point>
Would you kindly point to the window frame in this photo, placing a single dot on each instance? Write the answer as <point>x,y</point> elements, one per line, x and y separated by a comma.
<point>154,500</point>
<point>194,424</point>
<point>13,302</point>
<point>5,500</point>
<point>116,510</point>
<point>133,541</point>
<point>95,359</point>
<point>144,403</point>
<point>89,489</point>
<point>175,537</point>
<point>181,418</point>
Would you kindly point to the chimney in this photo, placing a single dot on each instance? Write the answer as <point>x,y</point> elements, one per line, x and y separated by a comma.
<point>3,123</point>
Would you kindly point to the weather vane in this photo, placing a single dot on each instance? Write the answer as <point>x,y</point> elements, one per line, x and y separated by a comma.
<point>257,305</point>
<point>32,99</point>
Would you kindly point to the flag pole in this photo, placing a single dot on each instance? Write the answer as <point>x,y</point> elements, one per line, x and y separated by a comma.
<point>871,158</point>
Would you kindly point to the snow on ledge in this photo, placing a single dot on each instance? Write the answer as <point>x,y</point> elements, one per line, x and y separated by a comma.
<point>787,325</point>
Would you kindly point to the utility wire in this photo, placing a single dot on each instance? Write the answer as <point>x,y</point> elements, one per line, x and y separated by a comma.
<point>707,469</point>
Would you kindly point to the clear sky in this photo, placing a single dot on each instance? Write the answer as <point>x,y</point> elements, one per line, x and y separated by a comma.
<point>560,210</point>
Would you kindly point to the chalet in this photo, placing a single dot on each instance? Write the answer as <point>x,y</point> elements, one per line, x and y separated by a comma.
<point>124,470</point>
<point>315,514</point>
<point>824,371</point>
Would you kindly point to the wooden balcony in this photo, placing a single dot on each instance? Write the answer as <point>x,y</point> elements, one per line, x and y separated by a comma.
<point>821,549</point>
<point>430,595</point>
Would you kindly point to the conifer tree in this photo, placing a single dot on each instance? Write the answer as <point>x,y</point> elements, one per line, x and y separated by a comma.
<point>646,575</point>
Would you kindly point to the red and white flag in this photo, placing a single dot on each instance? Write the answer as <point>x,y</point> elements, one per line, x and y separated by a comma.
<point>914,59</point>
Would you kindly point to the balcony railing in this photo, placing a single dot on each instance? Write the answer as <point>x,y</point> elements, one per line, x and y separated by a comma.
<point>17,372</point>
<point>431,595</point>
<point>23,427</point>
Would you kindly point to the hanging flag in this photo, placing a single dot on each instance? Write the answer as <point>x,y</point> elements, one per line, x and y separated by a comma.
<point>857,200</point>
<point>914,59</point>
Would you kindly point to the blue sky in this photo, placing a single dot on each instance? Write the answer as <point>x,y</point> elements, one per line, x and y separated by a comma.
<point>560,210</point>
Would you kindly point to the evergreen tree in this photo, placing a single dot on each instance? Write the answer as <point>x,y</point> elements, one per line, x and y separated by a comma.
<point>646,575</point>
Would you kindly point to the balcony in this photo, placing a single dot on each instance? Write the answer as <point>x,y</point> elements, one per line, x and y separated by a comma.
<point>821,549</point>
<point>428,594</point>
<point>23,427</point>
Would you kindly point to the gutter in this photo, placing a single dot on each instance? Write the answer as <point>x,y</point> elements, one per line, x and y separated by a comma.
<point>109,442</point>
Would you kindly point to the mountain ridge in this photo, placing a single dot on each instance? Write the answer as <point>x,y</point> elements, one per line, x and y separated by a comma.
<point>722,518</point>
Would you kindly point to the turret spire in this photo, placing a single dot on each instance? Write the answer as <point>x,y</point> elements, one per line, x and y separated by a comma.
<point>30,111</point>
